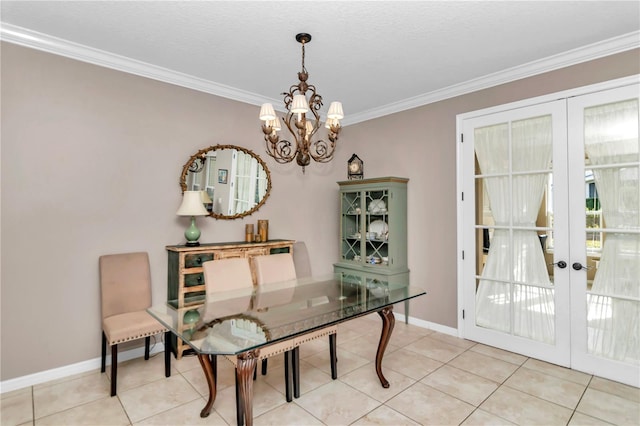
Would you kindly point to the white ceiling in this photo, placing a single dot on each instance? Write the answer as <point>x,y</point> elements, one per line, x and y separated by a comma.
<point>377,57</point>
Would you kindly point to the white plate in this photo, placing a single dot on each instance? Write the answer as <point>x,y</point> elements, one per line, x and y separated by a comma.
<point>379,227</point>
<point>377,206</point>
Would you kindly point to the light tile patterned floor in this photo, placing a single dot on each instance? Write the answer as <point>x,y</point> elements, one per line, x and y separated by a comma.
<point>435,379</point>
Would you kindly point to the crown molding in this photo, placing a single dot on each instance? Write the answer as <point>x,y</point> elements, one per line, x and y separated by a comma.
<point>572,57</point>
<point>24,37</point>
<point>39,41</point>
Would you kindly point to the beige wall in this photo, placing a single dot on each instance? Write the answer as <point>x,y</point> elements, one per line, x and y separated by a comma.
<point>91,159</point>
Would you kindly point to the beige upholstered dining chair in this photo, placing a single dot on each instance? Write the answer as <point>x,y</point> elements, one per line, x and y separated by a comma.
<point>301,259</point>
<point>281,267</point>
<point>125,286</point>
<point>235,274</point>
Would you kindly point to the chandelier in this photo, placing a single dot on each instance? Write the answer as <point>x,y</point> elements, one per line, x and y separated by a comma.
<point>301,126</point>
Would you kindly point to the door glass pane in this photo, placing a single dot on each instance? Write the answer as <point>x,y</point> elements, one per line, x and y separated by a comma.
<point>514,292</point>
<point>612,213</point>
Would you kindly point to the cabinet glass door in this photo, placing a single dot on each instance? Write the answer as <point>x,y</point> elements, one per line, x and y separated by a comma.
<point>351,223</point>
<point>377,227</point>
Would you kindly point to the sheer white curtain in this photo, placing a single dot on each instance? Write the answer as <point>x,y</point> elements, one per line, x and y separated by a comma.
<point>243,182</point>
<point>514,293</point>
<point>611,139</point>
<point>262,184</point>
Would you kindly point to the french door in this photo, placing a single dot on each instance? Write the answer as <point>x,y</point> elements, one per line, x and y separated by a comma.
<point>605,238</point>
<point>550,231</point>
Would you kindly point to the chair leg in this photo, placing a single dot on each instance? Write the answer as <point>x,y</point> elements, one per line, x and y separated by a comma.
<point>103,366</point>
<point>295,366</point>
<point>114,368</point>
<point>334,360</point>
<point>147,344</point>
<point>264,367</point>
<point>288,358</point>
<point>239,410</point>
<point>213,360</point>
<point>167,354</point>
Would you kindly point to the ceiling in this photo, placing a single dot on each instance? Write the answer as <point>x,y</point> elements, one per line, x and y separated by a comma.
<point>377,57</point>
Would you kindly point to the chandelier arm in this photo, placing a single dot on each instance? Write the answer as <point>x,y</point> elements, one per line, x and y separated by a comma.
<point>279,149</point>
<point>287,122</point>
<point>322,151</point>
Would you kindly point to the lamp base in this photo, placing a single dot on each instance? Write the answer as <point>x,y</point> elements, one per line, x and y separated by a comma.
<point>192,234</point>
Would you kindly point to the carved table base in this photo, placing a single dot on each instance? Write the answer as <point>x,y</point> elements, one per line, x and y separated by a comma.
<point>246,364</point>
<point>388,321</point>
<point>208,363</point>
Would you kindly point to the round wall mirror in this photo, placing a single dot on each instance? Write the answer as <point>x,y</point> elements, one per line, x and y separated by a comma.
<point>234,181</point>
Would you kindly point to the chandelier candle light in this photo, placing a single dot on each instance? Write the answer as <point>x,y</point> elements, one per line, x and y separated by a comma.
<point>301,127</point>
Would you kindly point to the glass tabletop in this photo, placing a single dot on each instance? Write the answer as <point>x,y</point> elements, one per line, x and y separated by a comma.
<point>231,322</point>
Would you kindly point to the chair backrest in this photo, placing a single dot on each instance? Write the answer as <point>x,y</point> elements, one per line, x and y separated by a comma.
<point>227,274</point>
<point>272,268</point>
<point>125,283</point>
<point>301,259</point>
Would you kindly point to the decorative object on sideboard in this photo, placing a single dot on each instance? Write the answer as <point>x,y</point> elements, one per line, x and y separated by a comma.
<point>263,230</point>
<point>355,168</point>
<point>248,232</point>
<point>302,129</point>
<point>203,171</point>
<point>192,206</point>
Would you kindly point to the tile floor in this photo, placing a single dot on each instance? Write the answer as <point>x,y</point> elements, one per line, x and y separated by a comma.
<point>435,379</point>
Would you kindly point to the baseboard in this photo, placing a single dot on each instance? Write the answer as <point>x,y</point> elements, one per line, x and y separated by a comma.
<point>70,370</point>
<point>428,325</point>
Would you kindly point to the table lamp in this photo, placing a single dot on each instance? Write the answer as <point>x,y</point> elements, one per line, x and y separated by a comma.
<point>192,206</point>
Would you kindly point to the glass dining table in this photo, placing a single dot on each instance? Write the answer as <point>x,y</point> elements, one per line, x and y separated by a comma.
<point>240,323</point>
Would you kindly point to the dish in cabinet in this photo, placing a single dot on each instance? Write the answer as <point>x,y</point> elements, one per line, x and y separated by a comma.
<point>379,227</point>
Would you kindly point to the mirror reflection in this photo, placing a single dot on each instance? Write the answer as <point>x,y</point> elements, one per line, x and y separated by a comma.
<point>234,181</point>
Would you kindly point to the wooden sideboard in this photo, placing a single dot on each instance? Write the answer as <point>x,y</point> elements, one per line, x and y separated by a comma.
<point>185,283</point>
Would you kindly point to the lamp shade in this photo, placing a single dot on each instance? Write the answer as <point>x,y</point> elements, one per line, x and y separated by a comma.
<point>299,104</point>
<point>192,204</point>
<point>267,112</point>
<point>332,122</point>
<point>335,111</point>
<point>205,197</point>
<point>274,124</point>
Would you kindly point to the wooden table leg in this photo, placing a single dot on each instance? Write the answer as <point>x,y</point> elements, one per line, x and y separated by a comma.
<point>388,321</point>
<point>207,367</point>
<point>244,374</point>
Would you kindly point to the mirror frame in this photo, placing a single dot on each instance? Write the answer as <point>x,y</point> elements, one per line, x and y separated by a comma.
<point>202,153</point>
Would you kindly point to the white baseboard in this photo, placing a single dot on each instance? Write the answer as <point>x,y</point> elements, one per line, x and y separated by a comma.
<point>428,325</point>
<point>70,370</point>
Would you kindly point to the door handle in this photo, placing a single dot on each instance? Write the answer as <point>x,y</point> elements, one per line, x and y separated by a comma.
<point>579,266</point>
<point>561,264</point>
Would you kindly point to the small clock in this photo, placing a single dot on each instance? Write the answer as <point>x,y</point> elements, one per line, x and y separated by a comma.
<point>355,168</point>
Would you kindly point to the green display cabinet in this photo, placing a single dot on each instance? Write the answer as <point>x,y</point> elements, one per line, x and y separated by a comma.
<point>373,228</point>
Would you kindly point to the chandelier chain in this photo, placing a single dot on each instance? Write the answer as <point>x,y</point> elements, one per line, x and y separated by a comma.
<point>303,67</point>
